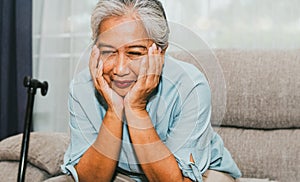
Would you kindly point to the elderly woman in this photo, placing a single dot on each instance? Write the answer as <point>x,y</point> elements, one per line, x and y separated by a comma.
<point>138,113</point>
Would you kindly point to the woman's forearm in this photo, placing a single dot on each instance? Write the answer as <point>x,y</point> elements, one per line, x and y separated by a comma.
<point>156,160</point>
<point>100,160</point>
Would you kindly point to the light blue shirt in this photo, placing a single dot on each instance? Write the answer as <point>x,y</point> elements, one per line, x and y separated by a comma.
<point>180,111</point>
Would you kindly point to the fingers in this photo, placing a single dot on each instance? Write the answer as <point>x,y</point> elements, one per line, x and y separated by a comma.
<point>96,69</point>
<point>148,78</point>
<point>150,71</point>
<point>152,53</point>
<point>93,62</point>
<point>155,60</point>
<point>143,68</point>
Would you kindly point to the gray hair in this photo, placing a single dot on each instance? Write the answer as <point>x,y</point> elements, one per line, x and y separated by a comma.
<point>150,12</point>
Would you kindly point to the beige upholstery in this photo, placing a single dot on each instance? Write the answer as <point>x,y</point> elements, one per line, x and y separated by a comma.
<point>262,87</point>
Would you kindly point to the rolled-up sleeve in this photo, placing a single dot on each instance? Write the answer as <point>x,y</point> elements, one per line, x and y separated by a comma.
<point>192,140</point>
<point>190,133</point>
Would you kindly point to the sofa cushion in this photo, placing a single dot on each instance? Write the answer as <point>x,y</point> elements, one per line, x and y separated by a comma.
<point>60,178</point>
<point>254,180</point>
<point>273,154</point>
<point>9,172</point>
<point>46,150</point>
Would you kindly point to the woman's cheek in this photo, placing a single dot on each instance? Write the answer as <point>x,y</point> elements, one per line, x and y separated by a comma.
<point>107,79</point>
<point>107,66</point>
<point>135,66</point>
<point>107,71</point>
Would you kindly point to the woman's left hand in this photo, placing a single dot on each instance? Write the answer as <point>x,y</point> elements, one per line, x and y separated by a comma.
<point>148,79</point>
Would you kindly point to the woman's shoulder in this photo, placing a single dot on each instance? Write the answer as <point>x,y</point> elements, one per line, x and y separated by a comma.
<point>82,82</point>
<point>82,77</point>
<point>179,79</point>
<point>179,71</point>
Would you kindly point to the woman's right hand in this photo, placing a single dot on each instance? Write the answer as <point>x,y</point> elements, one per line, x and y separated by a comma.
<point>113,100</point>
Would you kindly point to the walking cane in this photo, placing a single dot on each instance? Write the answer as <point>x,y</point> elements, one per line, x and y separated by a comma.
<point>32,86</point>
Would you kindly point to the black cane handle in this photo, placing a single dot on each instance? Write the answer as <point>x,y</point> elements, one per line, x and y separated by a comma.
<point>35,84</point>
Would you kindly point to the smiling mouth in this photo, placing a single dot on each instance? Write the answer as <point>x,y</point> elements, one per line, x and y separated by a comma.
<point>123,84</point>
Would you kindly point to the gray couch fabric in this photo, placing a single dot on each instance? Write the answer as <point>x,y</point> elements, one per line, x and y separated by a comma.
<point>262,86</point>
<point>273,154</point>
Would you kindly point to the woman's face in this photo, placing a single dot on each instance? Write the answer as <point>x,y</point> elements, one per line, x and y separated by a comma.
<point>123,43</point>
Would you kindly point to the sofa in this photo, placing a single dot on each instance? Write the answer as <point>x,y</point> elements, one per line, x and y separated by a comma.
<point>258,118</point>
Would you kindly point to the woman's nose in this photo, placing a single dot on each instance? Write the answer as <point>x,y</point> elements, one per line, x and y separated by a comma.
<point>121,65</point>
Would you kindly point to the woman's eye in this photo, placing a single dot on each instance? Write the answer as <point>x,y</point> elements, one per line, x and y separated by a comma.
<point>107,52</point>
<point>135,53</point>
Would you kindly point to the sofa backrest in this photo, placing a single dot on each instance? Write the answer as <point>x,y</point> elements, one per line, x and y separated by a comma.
<point>262,87</point>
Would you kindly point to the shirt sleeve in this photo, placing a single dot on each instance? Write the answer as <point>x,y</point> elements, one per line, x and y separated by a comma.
<point>83,132</point>
<point>191,138</point>
<point>190,133</point>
